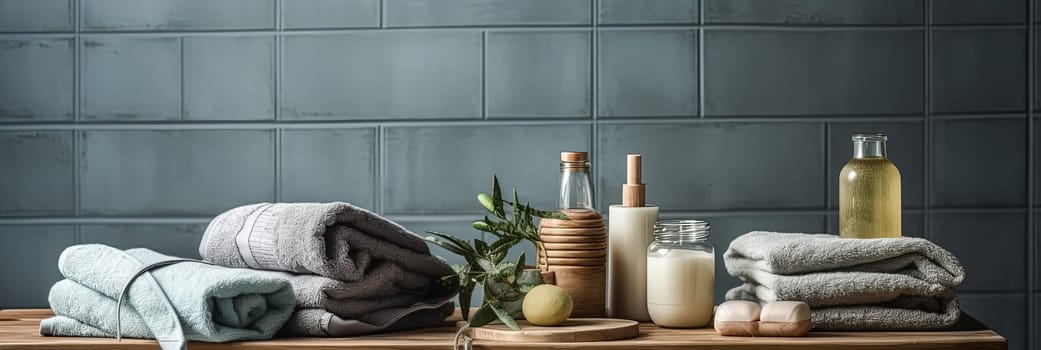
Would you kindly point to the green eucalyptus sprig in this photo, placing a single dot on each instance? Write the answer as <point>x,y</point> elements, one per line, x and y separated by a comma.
<point>504,283</point>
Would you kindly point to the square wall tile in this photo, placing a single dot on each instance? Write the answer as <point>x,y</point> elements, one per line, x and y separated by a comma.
<point>130,79</point>
<point>322,165</point>
<point>1007,314</point>
<point>458,228</point>
<point>912,224</point>
<point>38,173</point>
<point>979,70</point>
<point>172,15</point>
<point>28,283</point>
<point>717,166</point>
<point>229,78</point>
<point>814,12</point>
<point>648,11</point>
<point>725,228</point>
<point>385,75</point>
<point>179,240</point>
<point>985,242</point>
<point>633,83</point>
<point>821,72</point>
<point>35,16</point>
<point>980,12</point>
<point>979,162</point>
<point>314,14</point>
<point>37,83</point>
<point>441,169</point>
<point>175,172</point>
<point>1037,63</point>
<point>904,147</point>
<point>453,13</point>
<point>538,74</point>
<point>1036,230</point>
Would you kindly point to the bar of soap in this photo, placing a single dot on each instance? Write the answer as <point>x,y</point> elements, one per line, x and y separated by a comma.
<point>785,319</point>
<point>737,318</point>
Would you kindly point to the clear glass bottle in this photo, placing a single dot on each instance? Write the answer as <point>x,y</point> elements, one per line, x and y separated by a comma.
<point>576,191</point>
<point>869,191</point>
<point>681,274</point>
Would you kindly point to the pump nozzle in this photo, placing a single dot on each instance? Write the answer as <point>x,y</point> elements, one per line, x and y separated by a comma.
<point>634,192</point>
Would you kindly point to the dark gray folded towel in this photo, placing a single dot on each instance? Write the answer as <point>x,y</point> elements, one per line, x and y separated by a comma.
<point>343,261</point>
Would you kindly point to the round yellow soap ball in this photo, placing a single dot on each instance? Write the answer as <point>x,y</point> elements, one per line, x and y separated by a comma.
<point>547,305</point>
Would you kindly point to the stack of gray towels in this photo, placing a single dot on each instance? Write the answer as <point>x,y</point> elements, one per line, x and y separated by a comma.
<point>850,284</point>
<point>352,271</point>
<point>289,269</point>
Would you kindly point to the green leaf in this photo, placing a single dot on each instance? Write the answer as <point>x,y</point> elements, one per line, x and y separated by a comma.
<point>486,264</point>
<point>482,248</point>
<point>464,245</point>
<point>465,293</point>
<point>519,266</point>
<point>449,246</point>
<point>483,316</point>
<point>482,225</point>
<point>497,198</point>
<point>486,201</point>
<point>516,210</point>
<point>505,317</point>
<point>550,214</point>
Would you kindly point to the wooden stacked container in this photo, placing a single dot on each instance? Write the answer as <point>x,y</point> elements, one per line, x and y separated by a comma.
<point>576,252</point>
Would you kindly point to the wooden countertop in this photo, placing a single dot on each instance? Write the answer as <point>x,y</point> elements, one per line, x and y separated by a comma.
<point>19,329</point>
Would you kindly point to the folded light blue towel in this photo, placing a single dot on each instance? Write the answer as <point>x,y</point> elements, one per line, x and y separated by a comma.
<point>211,303</point>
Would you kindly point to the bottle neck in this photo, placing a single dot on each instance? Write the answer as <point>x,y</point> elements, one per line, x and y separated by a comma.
<point>576,192</point>
<point>869,149</point>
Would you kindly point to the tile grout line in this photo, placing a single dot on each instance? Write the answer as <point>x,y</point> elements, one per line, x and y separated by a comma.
<point>484,75</point>
<point>1032,240</point>
<point>383,14</point>
<point>927,147</point>
<point>701,59</point>
<point>77,142</point>
<point>381,163</point>
<point>180,43</point>
<point>594,134</point>
<point>828,178</point>
<point>279,25</point>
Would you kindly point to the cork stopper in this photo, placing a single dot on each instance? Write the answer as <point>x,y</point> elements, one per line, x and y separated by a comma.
<point>574,156</point>
<point>634,192</point>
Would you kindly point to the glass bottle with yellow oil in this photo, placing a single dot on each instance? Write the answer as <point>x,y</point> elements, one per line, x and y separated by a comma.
<point>869,191</point>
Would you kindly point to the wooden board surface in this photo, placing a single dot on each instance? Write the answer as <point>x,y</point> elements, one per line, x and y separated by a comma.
<point>572,330</point>
<point>19,329</point>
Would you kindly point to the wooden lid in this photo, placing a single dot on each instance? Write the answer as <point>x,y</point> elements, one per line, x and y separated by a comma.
<point>574,156</point>
<point>575,261</point>
<point>585,231</point>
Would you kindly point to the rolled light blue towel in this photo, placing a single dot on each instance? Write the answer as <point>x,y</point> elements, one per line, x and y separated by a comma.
<point>182,301</point>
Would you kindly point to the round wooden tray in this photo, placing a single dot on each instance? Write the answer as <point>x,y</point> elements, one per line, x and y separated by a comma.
<point>572,330</point>
<point>575,246</point>
<point>574,239</point>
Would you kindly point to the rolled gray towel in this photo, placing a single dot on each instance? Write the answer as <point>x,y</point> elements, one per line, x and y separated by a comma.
<point>852,284</point>
<point>344,263</point>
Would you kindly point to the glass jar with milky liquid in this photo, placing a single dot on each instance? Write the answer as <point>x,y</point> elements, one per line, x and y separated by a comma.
<point>681,274</point>
<point>869,191</point>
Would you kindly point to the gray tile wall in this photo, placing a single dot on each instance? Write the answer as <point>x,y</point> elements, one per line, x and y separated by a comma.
<point>132,122</point>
